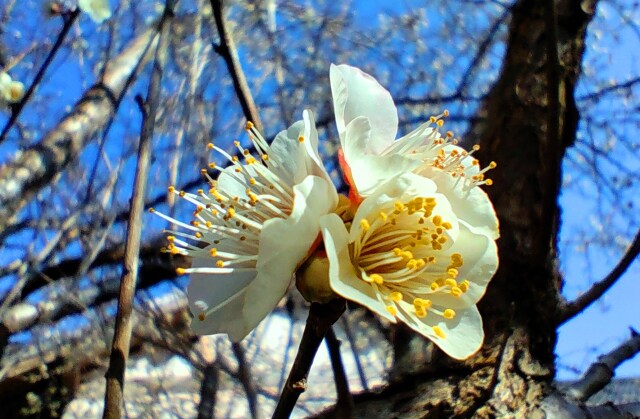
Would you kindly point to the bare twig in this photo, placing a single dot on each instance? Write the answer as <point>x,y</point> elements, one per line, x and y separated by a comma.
<point>344,405</point>
<point>68,22</point>
<point>113,400</point>
<point>227,49</point>
<point>208,390</point>
<point>321,318</point>
<point>602,371</point>
<point>571,309</point>
<point>245,378</point>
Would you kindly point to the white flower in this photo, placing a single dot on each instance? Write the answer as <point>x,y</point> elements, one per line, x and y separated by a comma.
<point>98,10</point>
<point>257,224</point>
<point>370,155</point>
<point>11,91</point>
<point>410,256</point>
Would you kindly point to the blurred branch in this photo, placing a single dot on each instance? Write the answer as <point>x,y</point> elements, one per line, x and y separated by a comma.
<point>569,310</point>
<point>208,390</point>
<point>321,318</point>
<point>618,86</point>
<point>245,378</point>
<point>68,22</point>
<point>114,395</point>
<point>344,405</point>
<point>602,371</point>
<point>227,49</point>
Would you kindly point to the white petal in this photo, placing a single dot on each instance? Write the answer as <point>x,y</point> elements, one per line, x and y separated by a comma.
<point>480,256</point>
<point>226,292</point>
<point>289,155</point>
<point>463,333</point>
<point>98,10</point>
<point>356,93</point>
<point>342,276</point>
<point>472,205</point>
<point>315,166</point>
<point>284,244</point>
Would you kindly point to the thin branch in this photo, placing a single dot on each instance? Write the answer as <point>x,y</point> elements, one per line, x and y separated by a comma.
<point>602,371</point>
<point>571,309</point>
<point>321,318</point>
<point>208,390</point>
<point>227,49</point>
<point>114,400</point>
<point>344,406</point>
<point>68,22</point>
<point>244,375</point>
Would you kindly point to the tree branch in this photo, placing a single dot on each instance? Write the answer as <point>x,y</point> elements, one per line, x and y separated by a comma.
<point>344,405</point>
<point>227,49</point>
<point>602,371</point>
<point>244,376</point>
<point>321,318</point>
<point>113,399</point>
<point>569,310</point>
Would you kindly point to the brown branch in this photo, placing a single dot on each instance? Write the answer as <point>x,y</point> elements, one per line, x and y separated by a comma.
<point>344,406</point>
<point>114,395</point>
<point>321,318</point>
<point>602,371</point>
<point>244,376</point>
<point>208,391</point>
<point>227,49</point>
<point>68,22</point>
<point>571,309</point>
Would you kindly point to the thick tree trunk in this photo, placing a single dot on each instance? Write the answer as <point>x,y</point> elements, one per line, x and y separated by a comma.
<point>527,122</point>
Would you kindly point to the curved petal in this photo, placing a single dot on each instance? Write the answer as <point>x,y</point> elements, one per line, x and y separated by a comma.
<point>284,244</point>
<point>224,295</point>
<point>480,255</point>
<point>315,166</point>
<point>463,335</point>
<point>472,205</point>
<point>342,277</point>
<point>355,93</point>
<point>288,157</point>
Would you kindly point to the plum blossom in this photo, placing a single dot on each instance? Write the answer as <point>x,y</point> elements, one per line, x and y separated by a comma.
<point>411,255</point>
<point>98,10</point>
<point>370,155</point>
<point>256,225</point>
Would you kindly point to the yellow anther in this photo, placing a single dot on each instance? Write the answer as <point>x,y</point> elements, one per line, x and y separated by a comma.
<point>464,286</point>
<point>488,182</point>
<point>407,254</point>
<point>445,113</point>
<point>399,206</point>
<point>249,125</point>
<point>396,296</point>
<point>449,134</point>
<point>235,159</point>
<point>452,272</point>
<point>236,143</point>
<point>397,251</point>
<point>202,316</point>
<point>493,165</point>
<point>432,119</point>
<point>252,181</point>
<point>264,157</point>
<point>440,122</point>
<point>212,165</point>
<point>376,278</point>
<point>451,282</point>
<point>412,264</point>
<point>301,139</point>
<point>198,235</point>
<point>476,147</point>
<point>364,224</point>
<point>180,271</point>
<point>439,333</point>
<point>392,310</point>
<point>152,210</point>
<point>456,291</point>
<point>182,194</point>
<point>420,312</point>
<point>171,189</point>
<point>383,216</point>
<point>447,225</point>
<point>220,263</point>
<point>436,220</point>
<point>210,146</point>
<point>213,252</point>
<point>171,239</point>
<point>449,314</point>
<point>456,260</point>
